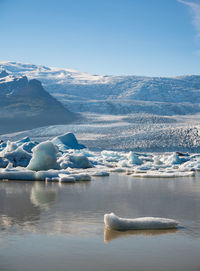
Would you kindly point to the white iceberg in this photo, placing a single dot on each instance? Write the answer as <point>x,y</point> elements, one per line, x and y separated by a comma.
<point>144,223</point>
<point>74,161</point>
<point>44,157</point>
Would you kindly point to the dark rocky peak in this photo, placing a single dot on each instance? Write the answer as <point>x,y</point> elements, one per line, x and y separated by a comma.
<point>11,83</point>
<point>35,83</point>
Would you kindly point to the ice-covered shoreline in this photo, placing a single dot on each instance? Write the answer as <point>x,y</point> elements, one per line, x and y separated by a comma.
<point>63,159</point>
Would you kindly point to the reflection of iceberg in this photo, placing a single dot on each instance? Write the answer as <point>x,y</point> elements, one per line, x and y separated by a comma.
<point>110,235</point>
<point>43,195</point>
<point>144,223</point>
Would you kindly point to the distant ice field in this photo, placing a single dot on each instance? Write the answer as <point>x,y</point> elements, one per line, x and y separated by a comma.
<point>138,132</point>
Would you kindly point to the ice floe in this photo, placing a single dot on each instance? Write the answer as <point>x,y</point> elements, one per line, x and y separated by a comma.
<point>63,159</point>
<point>144,223</point>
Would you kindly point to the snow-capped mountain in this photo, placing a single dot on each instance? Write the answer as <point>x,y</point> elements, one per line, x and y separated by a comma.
<point>83,92</point>
<point>25,104</point>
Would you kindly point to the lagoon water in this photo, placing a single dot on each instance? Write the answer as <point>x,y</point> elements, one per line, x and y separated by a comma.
<point>60,227</point>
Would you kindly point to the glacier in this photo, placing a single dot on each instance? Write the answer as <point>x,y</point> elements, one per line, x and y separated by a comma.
<point>107,94</point>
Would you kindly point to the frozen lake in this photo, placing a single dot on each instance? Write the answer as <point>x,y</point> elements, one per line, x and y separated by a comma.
<point>60,226</point>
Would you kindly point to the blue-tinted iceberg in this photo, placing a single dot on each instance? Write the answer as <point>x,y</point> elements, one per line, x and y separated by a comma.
<point>44,157</point>
<point>67,141</point>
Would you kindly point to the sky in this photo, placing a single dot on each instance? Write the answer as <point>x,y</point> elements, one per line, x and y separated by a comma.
<point>119,37</point>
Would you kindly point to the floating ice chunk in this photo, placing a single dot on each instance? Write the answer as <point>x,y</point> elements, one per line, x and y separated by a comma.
<point>57,175</point>
<point>118,169</point>
<point>81,161</point>
<point>18,157</point>
<point>68,140</point>
<point>17,174</point>
<point>81,177</point>
<point>44,157</point>
<point>123,163</point>
<point>112,156</point>
<point>157,161</point>
<point>100,174</point>
<point>174,159</point>
<point>144,223</point>
<point>74,161</point>
<point>133,159</point>
<point>10,147</point>
<point>66,178</point>
<point>162,174</point>
<point>43,174</point>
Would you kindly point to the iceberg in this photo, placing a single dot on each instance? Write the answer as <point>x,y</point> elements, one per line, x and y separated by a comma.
<point>19,157</point>
<point>67,141</point>
<point>44,157</point>
<point>74,161</point>
<point>144,223</point>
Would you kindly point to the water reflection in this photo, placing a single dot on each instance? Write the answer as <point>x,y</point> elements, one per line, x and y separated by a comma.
<point>63,225</point>
<point>15,204</point>
<point>110,234</point>
<point>43,195</point>
<point>79,208</point>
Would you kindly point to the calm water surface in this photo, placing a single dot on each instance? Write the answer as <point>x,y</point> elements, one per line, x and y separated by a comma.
<point>60,227</point>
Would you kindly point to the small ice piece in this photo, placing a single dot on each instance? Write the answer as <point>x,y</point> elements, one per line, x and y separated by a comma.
<point>19,157</point>
<point>118,170</point>
<point>69,140</point>
<point>174,159</point>
<point>44,157</point>
<point>52,179</point>
<point>81,177</point>
<point>144,223</point>
<point>74,161</point>
<point>133,159</point>
<point>100,174</point>
<point>9,147</point>
<point>17,174</point>
<point>65,178</point>
<point>163,174</point>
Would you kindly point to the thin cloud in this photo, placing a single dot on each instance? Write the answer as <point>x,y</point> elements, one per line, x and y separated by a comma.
<point>195,7</point>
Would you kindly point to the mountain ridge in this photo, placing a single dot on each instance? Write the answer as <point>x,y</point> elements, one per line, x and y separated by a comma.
<point>83,92</point>
<point>24,104</point>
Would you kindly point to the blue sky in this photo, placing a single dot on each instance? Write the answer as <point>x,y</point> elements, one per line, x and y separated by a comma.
<point>141,37</point>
